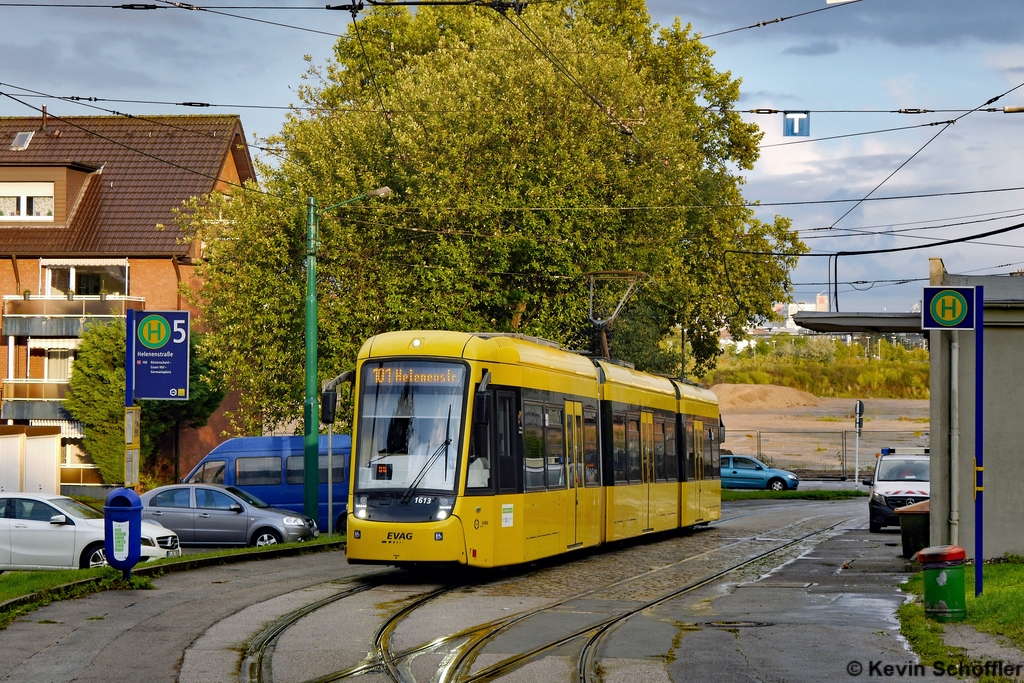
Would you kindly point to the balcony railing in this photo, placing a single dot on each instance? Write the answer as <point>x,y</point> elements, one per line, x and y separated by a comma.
<point>34,389</point>
<point>80,306</point>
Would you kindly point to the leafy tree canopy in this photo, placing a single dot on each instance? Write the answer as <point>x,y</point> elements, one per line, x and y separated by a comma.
<point>96,399</point>
<point>510,183</point>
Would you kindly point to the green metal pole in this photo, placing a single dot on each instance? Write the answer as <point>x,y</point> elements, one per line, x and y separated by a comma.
<point>311,412</point>
<point>311,443</point>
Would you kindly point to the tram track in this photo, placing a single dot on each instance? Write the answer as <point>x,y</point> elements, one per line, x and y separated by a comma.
<point>461,649</point>
<point>597,630</point>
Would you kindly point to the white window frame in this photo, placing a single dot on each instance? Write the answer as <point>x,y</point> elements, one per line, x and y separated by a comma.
<point>23,191</point>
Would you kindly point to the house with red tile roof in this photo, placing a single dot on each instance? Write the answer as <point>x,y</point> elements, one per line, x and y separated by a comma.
<point>87,232</point>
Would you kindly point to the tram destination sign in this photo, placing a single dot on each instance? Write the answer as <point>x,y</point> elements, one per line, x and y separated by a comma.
<point>160,355</point>
<point>948,308</point>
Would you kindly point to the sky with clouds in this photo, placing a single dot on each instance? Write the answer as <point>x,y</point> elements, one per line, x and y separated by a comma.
<point>862,56</point>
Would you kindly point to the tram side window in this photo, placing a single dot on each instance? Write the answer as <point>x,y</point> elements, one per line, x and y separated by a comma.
<point>556,450</point>
<point>633,448</point>
<point>671,455</point>
<point>591,458</point>
<point>533,445</point>
<point>690,459</point>
<point>659,451</point>
<point>504,429</point>
<point>478,476</point>
<point>619,446</point>
<point>709,471</point>
<point>716,455</point>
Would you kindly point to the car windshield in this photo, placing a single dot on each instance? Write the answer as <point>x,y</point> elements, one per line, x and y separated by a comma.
<point>247,497</point>
<point>76,509</point>
<point>903,470</point>
<point>409,425</point>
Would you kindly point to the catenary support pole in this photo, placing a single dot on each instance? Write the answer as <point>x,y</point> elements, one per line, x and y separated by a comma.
<point>311,440</point>
<point>330,479</point>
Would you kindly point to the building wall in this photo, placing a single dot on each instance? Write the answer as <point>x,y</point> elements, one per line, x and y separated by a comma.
<point>1004,432</point>
<point>154,280</point>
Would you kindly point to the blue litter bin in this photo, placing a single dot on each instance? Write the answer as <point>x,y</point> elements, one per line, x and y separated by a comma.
<point>122,527</point>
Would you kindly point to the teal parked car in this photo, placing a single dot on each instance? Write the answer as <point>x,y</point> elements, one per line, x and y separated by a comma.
<point>744,472</point>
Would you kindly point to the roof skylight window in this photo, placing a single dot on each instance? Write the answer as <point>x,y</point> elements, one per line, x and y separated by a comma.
<point>21,141</point>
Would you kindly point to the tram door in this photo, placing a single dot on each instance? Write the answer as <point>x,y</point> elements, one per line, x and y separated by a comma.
<point>647,463</point>
<point>574,460</point>
<point>698,470</point>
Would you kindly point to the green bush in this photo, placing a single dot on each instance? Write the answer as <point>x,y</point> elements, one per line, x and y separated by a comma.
<point>825,367</point>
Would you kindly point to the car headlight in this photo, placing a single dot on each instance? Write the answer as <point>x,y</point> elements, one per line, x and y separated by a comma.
<point>148,541</point>
<point>791,475</point>
<point>294,521</point>
<point>878,498</point>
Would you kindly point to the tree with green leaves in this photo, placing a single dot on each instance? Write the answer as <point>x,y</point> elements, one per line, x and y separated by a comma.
<point>524,151</point>
<point>96,399</point>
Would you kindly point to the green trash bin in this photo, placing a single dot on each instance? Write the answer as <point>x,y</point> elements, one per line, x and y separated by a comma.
<point>944,597</point>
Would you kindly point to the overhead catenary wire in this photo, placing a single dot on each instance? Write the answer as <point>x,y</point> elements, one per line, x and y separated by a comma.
<point>146,154</point>
<point>900,233</point>
<point>138,117</point>
<point>762,24</point>
<point>922,148</point>
<point>196,8</point>
<point>853,135</point>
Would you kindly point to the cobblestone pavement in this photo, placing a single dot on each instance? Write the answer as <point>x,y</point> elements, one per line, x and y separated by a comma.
<point>196,626</point>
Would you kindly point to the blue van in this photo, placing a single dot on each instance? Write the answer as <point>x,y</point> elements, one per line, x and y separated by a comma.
<point>271,468</point>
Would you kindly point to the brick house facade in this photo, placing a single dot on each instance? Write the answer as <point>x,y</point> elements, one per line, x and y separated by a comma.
<point>87,231</point>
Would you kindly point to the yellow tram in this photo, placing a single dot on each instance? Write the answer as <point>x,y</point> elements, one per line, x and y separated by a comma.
<point>491,449</point>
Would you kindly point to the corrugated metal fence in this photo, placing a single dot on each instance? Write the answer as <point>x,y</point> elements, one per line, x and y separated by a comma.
<point>819,454</point>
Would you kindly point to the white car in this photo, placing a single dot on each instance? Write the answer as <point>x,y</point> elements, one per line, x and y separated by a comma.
<point>900,479</point>
<point>44,531</point>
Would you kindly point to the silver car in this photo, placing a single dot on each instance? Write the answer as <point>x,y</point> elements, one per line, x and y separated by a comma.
<point>210,514</point>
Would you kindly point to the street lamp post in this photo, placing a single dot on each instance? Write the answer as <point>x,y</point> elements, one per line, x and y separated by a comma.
<point>310,414</point>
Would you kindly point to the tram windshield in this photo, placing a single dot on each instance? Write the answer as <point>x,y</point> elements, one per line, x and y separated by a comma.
<point>410,421</point>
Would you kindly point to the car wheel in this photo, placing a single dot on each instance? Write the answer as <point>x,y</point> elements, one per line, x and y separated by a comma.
<point>776,485</point>
<point>93,556</point>
<point>342,524</point>
<point>875,527</point>
<point>265,537</point>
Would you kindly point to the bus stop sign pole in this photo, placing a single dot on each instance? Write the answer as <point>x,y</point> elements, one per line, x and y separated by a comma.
<point>979,438</point>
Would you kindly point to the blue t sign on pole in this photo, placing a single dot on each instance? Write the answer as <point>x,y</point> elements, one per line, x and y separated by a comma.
<point>796,123</point>
<point>160,355</point>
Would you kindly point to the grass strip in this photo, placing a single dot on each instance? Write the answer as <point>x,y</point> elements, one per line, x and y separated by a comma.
<point>729,494</point>
<point>998,611</point>
<point>24,591</point>
<point>106,578</point>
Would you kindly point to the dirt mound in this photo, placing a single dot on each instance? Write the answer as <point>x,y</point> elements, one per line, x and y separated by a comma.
<point>760,397</point>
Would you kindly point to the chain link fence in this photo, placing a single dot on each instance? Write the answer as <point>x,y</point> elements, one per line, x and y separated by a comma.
<point>829,454</point>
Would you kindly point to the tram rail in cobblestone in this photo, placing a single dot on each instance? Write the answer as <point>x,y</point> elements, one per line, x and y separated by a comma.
<point>465,645</point>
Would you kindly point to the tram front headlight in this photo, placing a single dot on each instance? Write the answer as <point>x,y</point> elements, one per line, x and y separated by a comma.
<point>444,508</point>
<point>361,507</point>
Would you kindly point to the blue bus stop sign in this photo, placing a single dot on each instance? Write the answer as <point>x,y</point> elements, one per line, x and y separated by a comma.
<point>948,308</point>
<point>160,355</point>
<point>796,123</point>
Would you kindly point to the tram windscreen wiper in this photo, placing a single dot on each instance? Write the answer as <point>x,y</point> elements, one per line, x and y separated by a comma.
<point>409,492</point>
